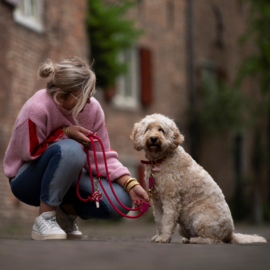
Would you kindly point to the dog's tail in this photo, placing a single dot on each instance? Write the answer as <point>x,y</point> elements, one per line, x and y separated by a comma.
<point>246,239</point>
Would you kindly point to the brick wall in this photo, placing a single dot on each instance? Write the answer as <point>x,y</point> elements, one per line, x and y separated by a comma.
<point>22,51</point>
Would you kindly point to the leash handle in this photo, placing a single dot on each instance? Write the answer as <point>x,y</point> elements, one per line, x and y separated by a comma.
<point>90,198</point>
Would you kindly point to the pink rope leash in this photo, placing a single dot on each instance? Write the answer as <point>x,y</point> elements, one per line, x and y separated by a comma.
<point>91,198</point>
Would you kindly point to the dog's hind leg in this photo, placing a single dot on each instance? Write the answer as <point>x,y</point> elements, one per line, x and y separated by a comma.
<point>201,240</point>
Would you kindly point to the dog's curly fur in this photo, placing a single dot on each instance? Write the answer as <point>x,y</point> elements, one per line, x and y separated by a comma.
<point>184,192</point>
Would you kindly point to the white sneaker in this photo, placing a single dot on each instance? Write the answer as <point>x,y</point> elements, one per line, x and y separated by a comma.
<point>68,223</point>
<point>46,227</point>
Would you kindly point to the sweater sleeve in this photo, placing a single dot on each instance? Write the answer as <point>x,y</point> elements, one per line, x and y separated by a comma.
<point>115,167</point>
<point>31,140</point>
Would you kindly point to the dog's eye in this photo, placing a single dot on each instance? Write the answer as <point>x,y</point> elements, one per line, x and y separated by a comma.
<point>147,129</point>
<point>161,130</point>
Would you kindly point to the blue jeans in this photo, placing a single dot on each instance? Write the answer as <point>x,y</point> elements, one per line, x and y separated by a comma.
<point>52,179</point>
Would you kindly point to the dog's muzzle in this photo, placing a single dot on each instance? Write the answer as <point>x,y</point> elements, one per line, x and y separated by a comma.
<point>153,144</point>
<point>153,139</point>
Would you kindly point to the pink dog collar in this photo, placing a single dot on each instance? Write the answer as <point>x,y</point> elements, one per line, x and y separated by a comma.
<point>152,162</point>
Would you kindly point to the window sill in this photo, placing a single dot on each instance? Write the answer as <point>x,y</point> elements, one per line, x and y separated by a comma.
<point>28,23</point>
<point>125,104</point>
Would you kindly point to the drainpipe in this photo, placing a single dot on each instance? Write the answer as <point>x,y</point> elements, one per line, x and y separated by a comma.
<point>191,79</point>
<point>190,49</point>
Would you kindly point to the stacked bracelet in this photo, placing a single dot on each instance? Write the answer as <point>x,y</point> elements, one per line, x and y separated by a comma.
<point>130,183</point>
<point>66,131</point>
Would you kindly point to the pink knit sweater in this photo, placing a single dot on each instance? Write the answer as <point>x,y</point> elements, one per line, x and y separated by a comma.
<point>40,123</point>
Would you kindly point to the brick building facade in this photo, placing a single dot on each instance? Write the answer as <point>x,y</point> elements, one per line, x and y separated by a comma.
<point>184,38</point>
<point>181,37</point>
<point>61,32</point>
<point>216,45</point>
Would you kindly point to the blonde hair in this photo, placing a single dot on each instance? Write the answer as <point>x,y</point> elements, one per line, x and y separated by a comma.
<point>67,76</point>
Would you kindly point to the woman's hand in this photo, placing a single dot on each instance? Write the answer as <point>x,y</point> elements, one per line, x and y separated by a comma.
<point>138,195</point>
<point>78,133</point>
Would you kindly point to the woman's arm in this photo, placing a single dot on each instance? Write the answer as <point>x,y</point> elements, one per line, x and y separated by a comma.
<point>115,167</point>
<point>30,136</point>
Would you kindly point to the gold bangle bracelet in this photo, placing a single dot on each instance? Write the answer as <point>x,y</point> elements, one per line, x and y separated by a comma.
<point>129,181</point>
<point>64,130</point>
<point>132,186</point>
<point>67,130</point>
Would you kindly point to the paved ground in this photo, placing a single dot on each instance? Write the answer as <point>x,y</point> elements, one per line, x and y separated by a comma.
<point>126,245</point>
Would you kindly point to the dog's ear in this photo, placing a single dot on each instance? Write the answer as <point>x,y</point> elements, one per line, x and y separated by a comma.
<point>178,138</point>
<point>135,137</point>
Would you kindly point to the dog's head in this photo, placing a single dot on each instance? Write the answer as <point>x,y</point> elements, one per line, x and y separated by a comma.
<point>157,135</point>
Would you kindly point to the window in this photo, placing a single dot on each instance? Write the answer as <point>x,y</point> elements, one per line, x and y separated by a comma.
<point>29,14</point>
<point>127,85</point>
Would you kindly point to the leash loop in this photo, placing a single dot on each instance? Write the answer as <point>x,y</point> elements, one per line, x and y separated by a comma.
<point>97,195</point>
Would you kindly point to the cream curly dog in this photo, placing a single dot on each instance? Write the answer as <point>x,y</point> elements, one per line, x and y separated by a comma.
<point>183,191</point>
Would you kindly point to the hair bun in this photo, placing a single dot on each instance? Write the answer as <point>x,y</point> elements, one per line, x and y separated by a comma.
<point>46,69</point>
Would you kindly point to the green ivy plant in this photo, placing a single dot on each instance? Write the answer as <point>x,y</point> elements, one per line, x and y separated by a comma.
<point>109,34</point>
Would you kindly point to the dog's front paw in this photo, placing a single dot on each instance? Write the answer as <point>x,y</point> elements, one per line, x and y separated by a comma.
<point>162,239</point>
<point>154,238</point>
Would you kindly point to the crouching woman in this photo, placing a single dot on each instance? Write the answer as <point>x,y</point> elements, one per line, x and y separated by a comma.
<point>45,154</point>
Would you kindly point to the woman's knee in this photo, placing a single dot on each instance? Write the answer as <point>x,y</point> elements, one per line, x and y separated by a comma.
<point>23,194</point>
<point>88,210</point>
<point>116,210</point>
<point>72,152</point>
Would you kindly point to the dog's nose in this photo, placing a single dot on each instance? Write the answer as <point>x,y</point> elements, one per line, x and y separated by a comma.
<point>153,139</point>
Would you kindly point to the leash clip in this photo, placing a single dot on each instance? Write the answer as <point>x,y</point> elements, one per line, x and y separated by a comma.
<point>97,195</point>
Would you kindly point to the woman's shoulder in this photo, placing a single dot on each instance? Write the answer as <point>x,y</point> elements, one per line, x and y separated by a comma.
<point>94,106</point>
<point>92,109</point>
<point>35,107</point>
<point>95,103</point>
<point>38,102</point>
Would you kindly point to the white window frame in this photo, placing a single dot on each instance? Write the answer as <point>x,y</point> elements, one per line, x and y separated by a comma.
<point>121,100</point>
<point>29,14</point>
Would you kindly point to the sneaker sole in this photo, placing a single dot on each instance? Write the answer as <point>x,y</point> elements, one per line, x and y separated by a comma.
<point>74,236</point>
<point>39,237</point>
